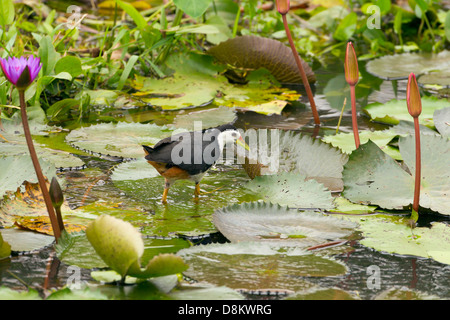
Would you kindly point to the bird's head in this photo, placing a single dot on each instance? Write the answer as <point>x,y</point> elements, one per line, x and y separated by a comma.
<point>231,136</point>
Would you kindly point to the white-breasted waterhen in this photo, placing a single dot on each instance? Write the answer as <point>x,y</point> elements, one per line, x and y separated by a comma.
<point>190,155</point>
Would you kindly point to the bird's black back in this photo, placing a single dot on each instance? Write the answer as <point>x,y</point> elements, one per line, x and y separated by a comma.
<point>194,152</point>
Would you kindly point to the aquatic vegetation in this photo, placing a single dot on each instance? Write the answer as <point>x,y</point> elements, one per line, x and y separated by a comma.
<point>301,217</point>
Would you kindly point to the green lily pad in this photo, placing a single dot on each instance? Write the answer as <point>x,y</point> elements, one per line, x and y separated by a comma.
<point>276,151</point>
<point>205,119</point>
<point>442,121</point>
<point>372,177</point>
<point>200,292</point>
<point>25,241</point>
<point>266,222</point>
<point>399,66</point>
<point>346,141</point>
<point>257,266</point>
<point>394,111</point>
<point>123,140</point>
<point>10,294</point>
<point>393,235</point>
<point>291,189</point>
<point>17,169</point>
<point>197,82</point>
<point>344,206</point>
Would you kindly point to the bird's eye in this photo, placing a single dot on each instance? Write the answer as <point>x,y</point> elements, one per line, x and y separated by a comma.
<point>234,134</point>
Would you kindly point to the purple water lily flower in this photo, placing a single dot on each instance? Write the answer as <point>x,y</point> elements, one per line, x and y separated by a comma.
<point>14,68</point>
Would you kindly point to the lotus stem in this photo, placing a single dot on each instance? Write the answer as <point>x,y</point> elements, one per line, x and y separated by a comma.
<point>37,167</point>
<point>354,116</point>
<point>414,103</point>
<point>302,72</point>
<point>418,166</point>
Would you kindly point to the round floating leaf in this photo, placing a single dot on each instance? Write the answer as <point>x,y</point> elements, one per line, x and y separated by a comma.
<point>17,169</point>
<point>276,151</point>
<point>123,140</point>
<point>194,8</point>
<point>211,292</point>
<point>401,65</point>
<point>395,236</point>
<point>204,119</point>
<point>252,52</point>
<point>266,222</point>
<point>198,82</point>
<point>442,121</point>
<point>394,111</point>
<point>117,242</point>
<point>372,177</point>
<point>257,266</point>
<point>291,189</point>
<point>25,241</point>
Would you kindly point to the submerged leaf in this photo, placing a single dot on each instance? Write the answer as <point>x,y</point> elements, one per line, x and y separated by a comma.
<point>252,52</point>
<point>22,241</point>
<point>257,266</point>
<point>278,225</point>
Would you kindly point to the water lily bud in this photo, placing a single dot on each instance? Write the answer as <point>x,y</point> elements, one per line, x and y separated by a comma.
<point>413,99</point>
<point>56,193</point>
<point>283,6</point>
<point>351,65</point>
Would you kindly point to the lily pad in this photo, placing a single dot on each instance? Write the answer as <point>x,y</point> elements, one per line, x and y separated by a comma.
<point>209,118</point>
<point>442,121</point>
<point>291,189</point>
<point>25,241</point>
<point>395,67</point>
<point>394,111</point>
<point>13,144</point>
<point>256,265</point>
<point>198,82</point>
<point>266,222</point>
<point>372,177</point>
<point>276,151</point>
<point>252,52</point>
<point>392,235</point>
<point>17,169</point>
<point>122,140</point>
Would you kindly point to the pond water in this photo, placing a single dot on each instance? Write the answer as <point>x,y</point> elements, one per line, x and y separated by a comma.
<point>43,269</point>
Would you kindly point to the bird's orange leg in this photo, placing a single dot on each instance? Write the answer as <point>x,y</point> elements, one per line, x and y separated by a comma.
<point>166,191</point>
<point>197,191</point>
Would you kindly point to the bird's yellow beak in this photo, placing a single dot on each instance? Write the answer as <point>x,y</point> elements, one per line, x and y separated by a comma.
<point>242,143</point>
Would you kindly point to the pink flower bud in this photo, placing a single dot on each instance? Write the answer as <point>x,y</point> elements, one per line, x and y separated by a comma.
<point>351,65</point>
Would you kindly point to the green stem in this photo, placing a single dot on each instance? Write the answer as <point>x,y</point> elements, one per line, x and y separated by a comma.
<point>418,166</point>
<point>302,72</point>
<point>354,117</point>
<point>37,167</point>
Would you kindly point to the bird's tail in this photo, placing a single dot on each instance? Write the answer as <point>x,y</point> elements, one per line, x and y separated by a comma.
<point>147,150</point>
